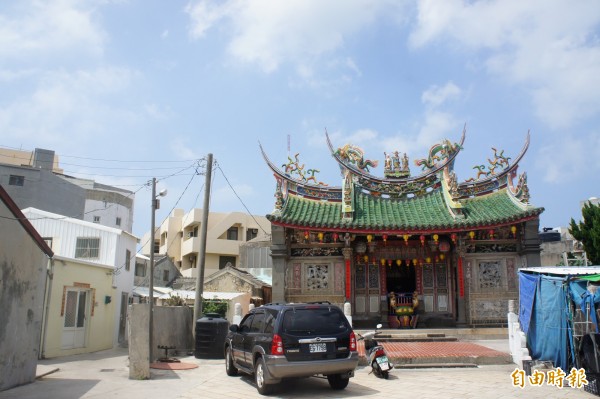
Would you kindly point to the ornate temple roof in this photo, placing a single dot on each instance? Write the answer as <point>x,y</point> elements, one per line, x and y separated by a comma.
<point>401,203</point>
<point>425,213</point>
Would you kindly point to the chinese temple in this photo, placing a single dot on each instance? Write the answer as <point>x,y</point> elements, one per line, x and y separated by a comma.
<point>414,248</point>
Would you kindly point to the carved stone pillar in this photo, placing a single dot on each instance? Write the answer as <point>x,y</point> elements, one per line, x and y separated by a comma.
<point>279,256</point>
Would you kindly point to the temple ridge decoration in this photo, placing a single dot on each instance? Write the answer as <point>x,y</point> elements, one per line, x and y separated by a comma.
<point>293,167</point>
<point>355,155</point>
<point>499,161</point>
<point>396,166</point>
<point>438,153</point>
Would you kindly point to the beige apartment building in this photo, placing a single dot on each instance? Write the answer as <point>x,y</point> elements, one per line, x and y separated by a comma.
<point>179,238</point>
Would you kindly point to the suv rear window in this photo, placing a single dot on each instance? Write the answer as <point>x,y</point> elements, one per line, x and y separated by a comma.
<point>315,321</point>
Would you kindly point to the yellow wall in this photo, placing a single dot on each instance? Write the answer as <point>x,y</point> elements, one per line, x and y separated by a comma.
<point>100,326</point>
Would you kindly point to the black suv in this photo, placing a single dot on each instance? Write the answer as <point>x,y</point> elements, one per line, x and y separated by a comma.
<point>278,341</point>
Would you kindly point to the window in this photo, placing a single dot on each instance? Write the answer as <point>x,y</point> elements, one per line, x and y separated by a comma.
<point>246,322</point>
<point>232,233</point>
<point>140,270</point>
<point>15,180</point>
<point>127,259</point>
<point>75,308</point>
<point>225,261</point>
<point>165,275</point>
<point>193,233</point>
<point>96,219</point>
<point>257,323</point>
<point>87,248</point>
<point>118,221</point>
<point>251,234</point>
<point>156,247</point>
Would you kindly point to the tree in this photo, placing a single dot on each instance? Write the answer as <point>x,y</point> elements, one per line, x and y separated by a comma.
<point>588,231</point>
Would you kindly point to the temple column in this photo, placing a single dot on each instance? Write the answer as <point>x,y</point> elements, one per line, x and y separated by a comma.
<point>279,256</point>
<point>461,319</point>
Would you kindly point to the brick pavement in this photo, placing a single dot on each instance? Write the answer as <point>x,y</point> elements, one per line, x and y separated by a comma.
<point>105,375</point>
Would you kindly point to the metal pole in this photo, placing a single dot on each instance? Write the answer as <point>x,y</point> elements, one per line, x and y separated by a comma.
<point>151,284</point>
<point>202,252</point>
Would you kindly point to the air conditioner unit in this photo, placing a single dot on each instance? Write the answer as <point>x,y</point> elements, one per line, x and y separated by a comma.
<point>190,234</point>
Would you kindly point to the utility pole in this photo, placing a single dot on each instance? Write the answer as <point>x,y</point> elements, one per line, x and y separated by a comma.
<point>151,283</point>
<point>202,252</point>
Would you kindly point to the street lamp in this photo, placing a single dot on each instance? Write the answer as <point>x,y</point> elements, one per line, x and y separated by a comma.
<point>155,206</point>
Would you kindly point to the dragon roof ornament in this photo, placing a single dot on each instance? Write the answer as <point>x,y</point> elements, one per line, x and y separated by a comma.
<point>440,156</point>
<point>488,173</point>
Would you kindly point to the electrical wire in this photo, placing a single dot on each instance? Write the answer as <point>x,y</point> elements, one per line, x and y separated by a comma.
<point>241,201</point>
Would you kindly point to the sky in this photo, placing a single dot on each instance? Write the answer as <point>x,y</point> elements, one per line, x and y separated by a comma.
<point>127,90</point>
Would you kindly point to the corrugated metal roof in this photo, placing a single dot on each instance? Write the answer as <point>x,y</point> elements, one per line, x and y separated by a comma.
<point>563,270</point>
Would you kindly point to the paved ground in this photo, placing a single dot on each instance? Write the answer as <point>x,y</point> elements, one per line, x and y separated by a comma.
<point>105,375</point>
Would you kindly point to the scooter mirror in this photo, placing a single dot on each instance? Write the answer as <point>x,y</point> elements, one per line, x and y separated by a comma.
<point>379,326</point>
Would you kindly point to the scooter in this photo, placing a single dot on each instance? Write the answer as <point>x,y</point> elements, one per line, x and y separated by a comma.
<point>380,364</point>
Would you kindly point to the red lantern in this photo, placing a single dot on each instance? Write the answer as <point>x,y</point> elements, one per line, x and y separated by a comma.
<point>453,237</point>
<point>422,239</point>
<point>385,239</point>
<point>335,237</point>
<point>491,234</point>
<point>444,246</point>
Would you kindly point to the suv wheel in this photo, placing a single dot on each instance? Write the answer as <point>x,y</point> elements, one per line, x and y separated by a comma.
<point>337,382</point>
<point>259,377</point>
<point>229,366</point>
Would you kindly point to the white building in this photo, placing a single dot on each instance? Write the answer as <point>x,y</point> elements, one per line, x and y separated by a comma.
<point>83,242</point>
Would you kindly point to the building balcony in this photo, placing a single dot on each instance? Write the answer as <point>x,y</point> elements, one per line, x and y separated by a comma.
<point>190,246</point>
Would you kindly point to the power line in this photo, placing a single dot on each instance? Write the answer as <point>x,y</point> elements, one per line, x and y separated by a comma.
<point>241,201</point>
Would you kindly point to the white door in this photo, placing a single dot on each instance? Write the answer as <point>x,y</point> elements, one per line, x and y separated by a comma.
<point>76,313</point>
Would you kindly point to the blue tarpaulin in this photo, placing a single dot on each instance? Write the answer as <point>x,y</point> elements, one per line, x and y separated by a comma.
<point>527,286</point>
<point>548,328</point>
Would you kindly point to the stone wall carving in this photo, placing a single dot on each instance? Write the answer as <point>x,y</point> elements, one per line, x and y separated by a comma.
<point>317,277</point>
<point>490,275</point>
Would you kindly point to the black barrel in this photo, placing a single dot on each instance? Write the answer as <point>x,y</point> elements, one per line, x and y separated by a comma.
<point>211,331</point>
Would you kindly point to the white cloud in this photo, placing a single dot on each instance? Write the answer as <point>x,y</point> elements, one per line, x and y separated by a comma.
<point>63,102</point>
<point>551,48</point>
<point>566,160</point>
<point>270,33</point>
<point>47,27</point>
<point>436,96</point>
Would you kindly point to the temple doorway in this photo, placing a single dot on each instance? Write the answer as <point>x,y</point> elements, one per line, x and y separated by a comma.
<point>401,279</point>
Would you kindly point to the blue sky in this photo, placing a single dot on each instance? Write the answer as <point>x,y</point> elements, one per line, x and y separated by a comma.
<point>165,82</point>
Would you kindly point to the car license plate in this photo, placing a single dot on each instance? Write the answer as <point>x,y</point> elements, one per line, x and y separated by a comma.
<point>315,348</point>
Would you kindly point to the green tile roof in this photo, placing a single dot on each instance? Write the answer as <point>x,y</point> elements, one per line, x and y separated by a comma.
<point>425,212</point>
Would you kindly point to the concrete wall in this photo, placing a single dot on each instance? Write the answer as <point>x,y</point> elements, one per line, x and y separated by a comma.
<point>172,326</point>
<point>99,325</point>
<point>22,281</point>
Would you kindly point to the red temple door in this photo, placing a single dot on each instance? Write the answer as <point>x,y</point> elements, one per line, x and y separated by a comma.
<point>366,290</point>
<point>436,292</point>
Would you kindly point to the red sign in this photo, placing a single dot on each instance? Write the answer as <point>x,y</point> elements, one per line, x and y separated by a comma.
<point>382,278</point>
<point>461,279</point>
<point>348,280</point>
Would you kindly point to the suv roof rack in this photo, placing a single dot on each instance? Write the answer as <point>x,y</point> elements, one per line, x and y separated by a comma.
<point>319,302</point>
